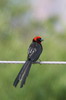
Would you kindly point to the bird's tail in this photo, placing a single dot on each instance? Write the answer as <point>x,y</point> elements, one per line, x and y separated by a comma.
<point>22,75</point>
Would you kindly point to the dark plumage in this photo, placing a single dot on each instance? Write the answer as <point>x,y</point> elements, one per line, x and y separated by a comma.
<point>34,51</point>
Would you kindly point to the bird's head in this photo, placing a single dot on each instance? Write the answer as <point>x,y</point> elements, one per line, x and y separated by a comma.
<point>37,39</point>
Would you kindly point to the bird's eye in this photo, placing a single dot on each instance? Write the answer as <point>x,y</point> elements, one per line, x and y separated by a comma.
<point>39,39</point>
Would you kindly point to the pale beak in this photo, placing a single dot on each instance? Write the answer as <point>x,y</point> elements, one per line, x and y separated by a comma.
<point>42,40</point>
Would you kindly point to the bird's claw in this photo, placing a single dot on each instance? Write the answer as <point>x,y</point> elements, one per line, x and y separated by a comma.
<point>40,61</point>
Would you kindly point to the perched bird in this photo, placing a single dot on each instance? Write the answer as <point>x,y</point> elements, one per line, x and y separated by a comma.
<point>34,51</point>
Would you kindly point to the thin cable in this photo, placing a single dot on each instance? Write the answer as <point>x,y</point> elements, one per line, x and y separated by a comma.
<point>42,62</point>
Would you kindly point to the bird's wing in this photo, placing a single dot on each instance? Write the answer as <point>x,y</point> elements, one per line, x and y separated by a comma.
<point>34,51</point>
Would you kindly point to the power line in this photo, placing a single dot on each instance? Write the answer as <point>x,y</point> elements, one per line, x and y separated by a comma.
<point>37,62</point>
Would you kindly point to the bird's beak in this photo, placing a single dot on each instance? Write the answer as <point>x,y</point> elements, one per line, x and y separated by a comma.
<point>42,40</point>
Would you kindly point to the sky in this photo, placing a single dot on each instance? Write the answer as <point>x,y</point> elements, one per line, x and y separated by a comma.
<point>43,9</point>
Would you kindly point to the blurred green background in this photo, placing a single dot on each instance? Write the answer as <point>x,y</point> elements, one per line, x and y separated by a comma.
<point>20,21</point>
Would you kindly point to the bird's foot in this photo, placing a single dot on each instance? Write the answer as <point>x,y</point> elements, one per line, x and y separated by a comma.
<point>40,61</point>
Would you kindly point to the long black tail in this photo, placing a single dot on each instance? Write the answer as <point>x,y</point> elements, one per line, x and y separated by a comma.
<point>22,75</point>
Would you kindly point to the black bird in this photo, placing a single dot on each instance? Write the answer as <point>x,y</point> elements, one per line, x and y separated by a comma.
<point>34,51</point>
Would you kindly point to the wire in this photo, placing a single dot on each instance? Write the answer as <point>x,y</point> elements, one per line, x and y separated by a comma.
<point>38,62</point>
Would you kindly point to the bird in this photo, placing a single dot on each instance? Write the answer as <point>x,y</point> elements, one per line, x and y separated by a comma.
<point>34,52</point>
